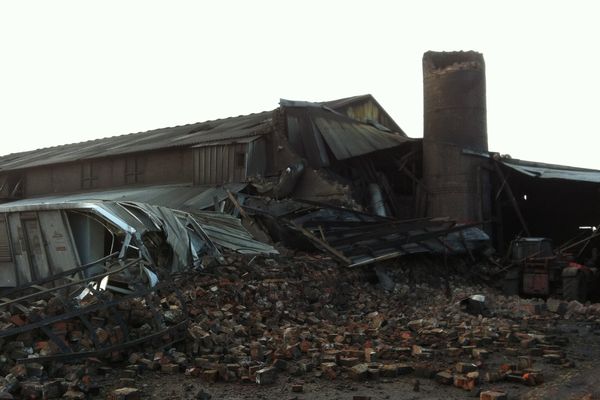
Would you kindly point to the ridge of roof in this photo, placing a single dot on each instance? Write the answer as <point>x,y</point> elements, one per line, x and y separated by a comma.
<point>346,100</point>
<point>96,140</point>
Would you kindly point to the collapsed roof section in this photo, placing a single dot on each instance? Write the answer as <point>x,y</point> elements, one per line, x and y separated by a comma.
<point>43,239</point>
<point>318,133</point>
<point>91,262</point>
<point>356,238</point>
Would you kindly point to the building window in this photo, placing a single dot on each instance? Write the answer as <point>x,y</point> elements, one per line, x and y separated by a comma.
<point>239,160</point>
<point>11,186</point>
<point>134,170</point>
<point>88,177</point>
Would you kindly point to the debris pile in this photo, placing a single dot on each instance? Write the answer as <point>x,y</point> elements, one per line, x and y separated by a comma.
<point>255,319</point>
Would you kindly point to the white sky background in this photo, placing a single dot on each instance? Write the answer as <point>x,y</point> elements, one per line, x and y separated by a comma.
<point>77,70</point>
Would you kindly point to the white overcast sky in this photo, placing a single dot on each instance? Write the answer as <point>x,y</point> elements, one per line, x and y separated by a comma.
<point>77,70</point>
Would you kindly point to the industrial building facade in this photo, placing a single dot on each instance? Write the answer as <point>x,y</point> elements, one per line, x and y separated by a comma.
<point>234,149</point>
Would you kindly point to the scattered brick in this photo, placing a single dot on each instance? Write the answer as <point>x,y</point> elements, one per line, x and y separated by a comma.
<point>493,395</point>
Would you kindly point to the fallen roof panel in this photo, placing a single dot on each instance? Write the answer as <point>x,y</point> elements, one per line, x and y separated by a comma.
<point>226,231</point>
<point>348,138</point>
<point>356,238</point>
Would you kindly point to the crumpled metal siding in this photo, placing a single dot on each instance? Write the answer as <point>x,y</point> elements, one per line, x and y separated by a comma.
<point>179,237</point>
<point>227,231</point>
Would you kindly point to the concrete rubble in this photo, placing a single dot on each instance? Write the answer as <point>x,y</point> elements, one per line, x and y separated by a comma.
<point>259,320</point>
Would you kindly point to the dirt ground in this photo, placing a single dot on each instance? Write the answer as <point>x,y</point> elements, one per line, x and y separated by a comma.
<point>581,381</point>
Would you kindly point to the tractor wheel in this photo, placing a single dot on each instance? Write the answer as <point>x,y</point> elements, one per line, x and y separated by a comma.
<point>575,287</point>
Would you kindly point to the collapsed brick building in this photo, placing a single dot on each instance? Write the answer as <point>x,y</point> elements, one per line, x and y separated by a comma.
<point>341,175</point>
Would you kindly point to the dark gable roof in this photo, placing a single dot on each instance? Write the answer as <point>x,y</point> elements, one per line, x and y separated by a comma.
<point>178,136</point>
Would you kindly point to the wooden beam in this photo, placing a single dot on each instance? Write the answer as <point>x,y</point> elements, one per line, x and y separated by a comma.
<point>322,244</point>
<point>239,207</point>
<point>511,197</point>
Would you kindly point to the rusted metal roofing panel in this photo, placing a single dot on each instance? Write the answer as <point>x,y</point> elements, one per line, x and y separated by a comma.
<point>551,171</point>
<point>350,138</point>
<point>228,129</point>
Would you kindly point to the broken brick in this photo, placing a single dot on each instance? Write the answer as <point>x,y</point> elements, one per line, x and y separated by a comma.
<point>493,395</point>
<point>329,370</point>
<point>463,367</point>
<point>359,372</point>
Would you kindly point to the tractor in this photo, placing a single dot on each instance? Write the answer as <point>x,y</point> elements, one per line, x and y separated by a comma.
<point>536,269</point>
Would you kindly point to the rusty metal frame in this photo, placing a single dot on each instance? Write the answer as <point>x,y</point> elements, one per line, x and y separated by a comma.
<point>106,304</point>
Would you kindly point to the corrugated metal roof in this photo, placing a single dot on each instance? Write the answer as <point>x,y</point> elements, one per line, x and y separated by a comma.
<point>351,138</point>
<point>233,128</point>
<point>243,140</point>
<point>552,171</point>
<point>179,197</point>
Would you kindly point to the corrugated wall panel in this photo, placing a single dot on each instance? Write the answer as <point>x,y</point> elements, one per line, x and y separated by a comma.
<point>205,172</point>
<point>224,152</point>
<point>8,276</point>
<point>257,158</point>
<point>20,255</point>
<point>214,165</point>
<point>211,167</point>
<point>239,173</point>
